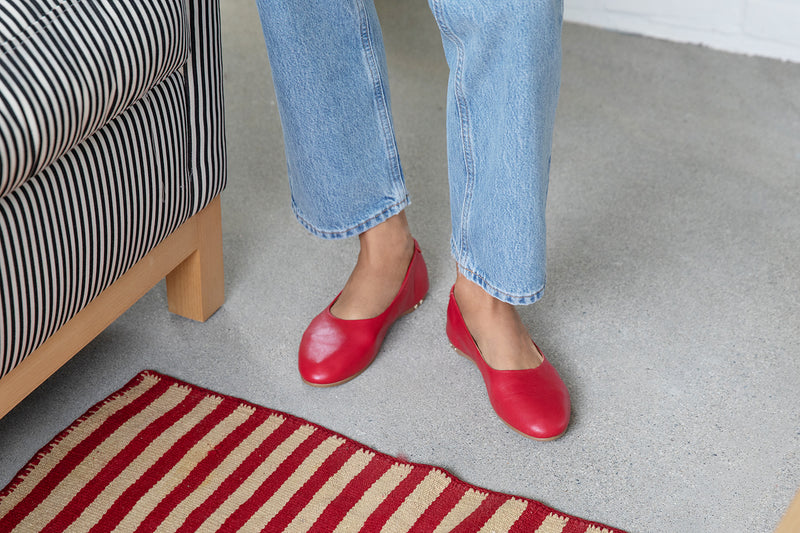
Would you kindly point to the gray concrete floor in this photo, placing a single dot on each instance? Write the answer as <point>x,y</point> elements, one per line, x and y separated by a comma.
<point>671,309</point>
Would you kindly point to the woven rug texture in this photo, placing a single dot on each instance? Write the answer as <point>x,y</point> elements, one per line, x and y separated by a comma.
<point>163,455</point>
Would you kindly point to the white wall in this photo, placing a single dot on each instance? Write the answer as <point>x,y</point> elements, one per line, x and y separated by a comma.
<point>769,28</point>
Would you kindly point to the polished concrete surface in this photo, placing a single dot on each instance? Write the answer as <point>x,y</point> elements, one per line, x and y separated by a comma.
<point>672,309</point>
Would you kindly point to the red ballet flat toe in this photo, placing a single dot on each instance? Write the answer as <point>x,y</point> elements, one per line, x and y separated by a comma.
<point>534,402</point>
<point>334,350</point>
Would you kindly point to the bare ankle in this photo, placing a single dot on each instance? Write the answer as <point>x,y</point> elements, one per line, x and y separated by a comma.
<point>388,242</point>
<point>496,328</point>
<point>386,252</point>
<point>471,295</point>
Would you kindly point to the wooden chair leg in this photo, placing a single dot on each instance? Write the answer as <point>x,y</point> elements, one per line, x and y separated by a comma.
<point>197,291</point>
<point>196,287</point>
<point>791,520</point>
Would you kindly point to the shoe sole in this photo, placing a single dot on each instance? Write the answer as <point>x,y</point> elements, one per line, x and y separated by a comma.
<point>354,376</point>
<point>548,439</point>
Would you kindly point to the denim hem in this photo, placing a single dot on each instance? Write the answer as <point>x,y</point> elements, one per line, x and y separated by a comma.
<point>356,229</point>
<point>492,290</point>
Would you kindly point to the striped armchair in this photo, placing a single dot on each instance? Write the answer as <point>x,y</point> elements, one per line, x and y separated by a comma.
<point>112,159</point>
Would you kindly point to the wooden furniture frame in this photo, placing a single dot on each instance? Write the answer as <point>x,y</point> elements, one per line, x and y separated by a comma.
<point>191,260</point>
<point>791,520</point>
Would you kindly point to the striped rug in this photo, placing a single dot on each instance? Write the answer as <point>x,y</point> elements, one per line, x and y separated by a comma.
<point>162,455</point>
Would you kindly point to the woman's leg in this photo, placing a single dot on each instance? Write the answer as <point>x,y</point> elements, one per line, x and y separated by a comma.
<point>505,59</point>
<point>329,71</point>
<point>383,259</point>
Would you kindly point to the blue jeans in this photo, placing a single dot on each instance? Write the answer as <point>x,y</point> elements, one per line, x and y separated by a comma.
<point>329,71</point>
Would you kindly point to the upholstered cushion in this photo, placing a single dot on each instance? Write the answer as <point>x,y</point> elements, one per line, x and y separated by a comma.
<point>73,229</point>
<point>78,209</point>
<point>67,67</point>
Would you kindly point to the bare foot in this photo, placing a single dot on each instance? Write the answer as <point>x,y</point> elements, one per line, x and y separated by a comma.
<point>386,251</point>
<point>496,327</point>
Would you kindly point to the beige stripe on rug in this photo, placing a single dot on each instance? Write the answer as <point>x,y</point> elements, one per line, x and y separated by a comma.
<point>163,455</point>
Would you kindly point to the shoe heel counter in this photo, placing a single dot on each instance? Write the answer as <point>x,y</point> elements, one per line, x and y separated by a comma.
<point>416,283</point>
<point>421,282</point>
<point>456,328</point>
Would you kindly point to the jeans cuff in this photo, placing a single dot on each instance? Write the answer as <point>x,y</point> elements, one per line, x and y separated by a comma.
<point>494,291</point>
<point>357,228</point>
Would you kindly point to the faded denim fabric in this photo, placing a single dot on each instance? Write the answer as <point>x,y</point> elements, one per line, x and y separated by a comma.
<point>329,71</point>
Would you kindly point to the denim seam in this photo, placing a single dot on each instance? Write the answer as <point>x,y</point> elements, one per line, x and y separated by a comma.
<point>508,297</point>
<point>352,230</point>
<point>464,120</point>
<point>380,96</point>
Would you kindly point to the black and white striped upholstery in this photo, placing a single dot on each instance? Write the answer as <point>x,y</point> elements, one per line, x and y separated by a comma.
<point>111,136</point>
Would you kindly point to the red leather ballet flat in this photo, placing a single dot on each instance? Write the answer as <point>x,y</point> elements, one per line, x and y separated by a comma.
<point>334,350</point>
<point>533,402</point>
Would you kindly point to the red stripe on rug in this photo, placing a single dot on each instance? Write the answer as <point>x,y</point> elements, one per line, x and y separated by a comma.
<point>166,462</point>
<point>301,498</point>
<point>442,505</point>
<point>198,517</point>
<point>576,525</point>
<point>532,517</point>
<point>78,454</point>
<point>350,495</point>
<point>482,514</point>
<point>395,498</point>
<point>113,468</point>
<point>205,467</point>
<point>261,472</point>
<point>275,480</point>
